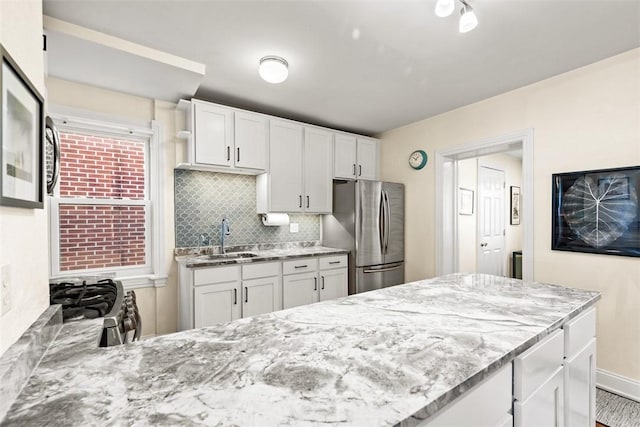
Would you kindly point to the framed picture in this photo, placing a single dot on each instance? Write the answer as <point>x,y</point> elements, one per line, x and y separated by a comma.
<point>597,211</point>
<point>515,205</point>
<point>465,206</point>
<point>21,130</point>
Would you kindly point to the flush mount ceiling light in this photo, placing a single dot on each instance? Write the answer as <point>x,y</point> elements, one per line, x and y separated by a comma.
<point>468,18</point>
<point>273,69</point>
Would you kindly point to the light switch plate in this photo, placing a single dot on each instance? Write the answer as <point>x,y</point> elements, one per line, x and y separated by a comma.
<point>293,227</point>
<point>5,289</point>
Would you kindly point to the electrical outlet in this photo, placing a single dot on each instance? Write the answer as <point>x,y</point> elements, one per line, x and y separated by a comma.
<point>293,227</point>
<point>5,289</point>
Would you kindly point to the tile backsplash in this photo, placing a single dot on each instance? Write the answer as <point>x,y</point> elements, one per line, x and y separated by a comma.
<point>202,199</point>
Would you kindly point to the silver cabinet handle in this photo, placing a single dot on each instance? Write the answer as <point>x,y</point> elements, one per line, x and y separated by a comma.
<point>246,294</point>
<point>315,283</point>
<point>238,159</point>
<point>307,202</point>
<point>235,296</point>
<point>334,262</point>
<point>322,282</point>
<point>300,266</point>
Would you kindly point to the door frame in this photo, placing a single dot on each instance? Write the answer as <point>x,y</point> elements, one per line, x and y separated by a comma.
<point>484,164</point>
<point>446,183</point>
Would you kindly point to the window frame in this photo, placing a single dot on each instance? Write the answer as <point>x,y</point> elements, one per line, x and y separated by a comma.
<point>152,273</point>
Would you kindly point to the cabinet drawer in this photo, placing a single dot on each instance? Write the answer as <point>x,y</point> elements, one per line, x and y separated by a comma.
<point>333,262</point>
<point>206,276</point>
<point>257,270</point>
<point>301,265</point>
<point>578,332</point>
<point>536,365</point>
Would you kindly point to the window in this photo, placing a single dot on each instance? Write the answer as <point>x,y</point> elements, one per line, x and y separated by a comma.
<point>105,210</point>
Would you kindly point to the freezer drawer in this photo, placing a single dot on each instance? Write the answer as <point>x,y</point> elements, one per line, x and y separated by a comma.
<point>379,276</point>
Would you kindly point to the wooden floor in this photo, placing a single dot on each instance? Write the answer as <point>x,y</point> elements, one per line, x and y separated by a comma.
<point>600,425</point>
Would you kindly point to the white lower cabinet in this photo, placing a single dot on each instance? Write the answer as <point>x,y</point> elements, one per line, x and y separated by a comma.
<point>299,289</point>
<point>488,404</point>
<point>218,303</point>
<point>545,406</point>
<point>261,296</point>
<point>333,284</point>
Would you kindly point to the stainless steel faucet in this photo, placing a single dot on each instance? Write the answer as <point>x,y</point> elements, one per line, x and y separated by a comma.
<point>224,231</point>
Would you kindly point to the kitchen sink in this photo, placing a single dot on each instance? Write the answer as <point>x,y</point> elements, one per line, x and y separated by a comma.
<point>230,255</point>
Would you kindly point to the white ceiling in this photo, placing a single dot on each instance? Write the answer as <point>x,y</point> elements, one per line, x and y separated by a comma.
<point>405,64</point>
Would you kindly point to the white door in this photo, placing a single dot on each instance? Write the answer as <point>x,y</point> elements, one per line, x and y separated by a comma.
<point>318,171</point>
<point>285,166</point>
<point>299,289</point>
<point>333,284</point>
<point>215,304</point>
<point>261,296</point>
<point>213,140</point>
<point>344,149</point>
<point>250,140</point>
<point>367,153</point>
<point>491,188</point>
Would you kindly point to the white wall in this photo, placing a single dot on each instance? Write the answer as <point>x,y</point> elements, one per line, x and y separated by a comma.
<point>585,119</point>
<point>23,242</point>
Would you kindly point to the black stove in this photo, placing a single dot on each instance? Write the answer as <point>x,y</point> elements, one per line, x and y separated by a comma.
<point>94,297</point>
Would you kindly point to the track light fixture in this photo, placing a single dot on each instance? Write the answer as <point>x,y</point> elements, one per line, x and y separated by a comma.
<point>468,18</point>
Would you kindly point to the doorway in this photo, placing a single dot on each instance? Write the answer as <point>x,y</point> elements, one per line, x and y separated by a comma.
<point>451,225</point>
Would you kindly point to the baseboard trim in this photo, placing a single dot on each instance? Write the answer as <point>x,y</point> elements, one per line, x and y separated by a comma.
<point>622,386</point>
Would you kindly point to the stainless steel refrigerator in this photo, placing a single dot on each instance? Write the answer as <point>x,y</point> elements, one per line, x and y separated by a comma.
<point>368,220</point>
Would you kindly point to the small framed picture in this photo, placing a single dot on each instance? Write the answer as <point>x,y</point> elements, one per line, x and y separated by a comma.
<point>21,133</point>
<point>515,205</point>
<point>465,204</point>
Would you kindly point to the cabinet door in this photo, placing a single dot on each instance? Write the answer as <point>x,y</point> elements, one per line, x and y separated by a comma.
<point>545,406</point>
<point>318,173</point>
<point>215,304</point>
<point>261,296</point>
<point>344,155</point>
<point>333,284</point>
<point>213,139</point>
<point>285,166</point>
<point>250,141</point>
<point>367,153</point>
<point>580,387</point>
<point>299,289</point>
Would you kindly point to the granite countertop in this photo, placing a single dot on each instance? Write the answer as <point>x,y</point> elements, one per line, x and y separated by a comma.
<point>389,357</point>
<point>262,252</point>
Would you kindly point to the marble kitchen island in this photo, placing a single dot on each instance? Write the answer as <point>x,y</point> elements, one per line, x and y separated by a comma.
<point>390,357</point>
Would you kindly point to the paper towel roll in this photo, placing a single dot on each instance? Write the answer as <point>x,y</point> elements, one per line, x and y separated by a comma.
<point>275,219</point>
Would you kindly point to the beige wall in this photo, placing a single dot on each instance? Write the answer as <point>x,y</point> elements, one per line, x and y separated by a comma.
<point>467,224</point>
<point>23,242</point>
<point>158,306</point>
<point>588,118</point>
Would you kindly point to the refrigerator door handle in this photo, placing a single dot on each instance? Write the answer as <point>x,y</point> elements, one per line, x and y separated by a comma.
<point>381,222</point>
<point>387,221</point>
<point>381,270</point>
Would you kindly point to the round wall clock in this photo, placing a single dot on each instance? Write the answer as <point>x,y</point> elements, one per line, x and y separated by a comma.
<point>418,159</point>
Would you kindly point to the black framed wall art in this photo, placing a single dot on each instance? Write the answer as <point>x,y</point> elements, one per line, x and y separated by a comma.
<point>21,133</point>
<point>597,211</point>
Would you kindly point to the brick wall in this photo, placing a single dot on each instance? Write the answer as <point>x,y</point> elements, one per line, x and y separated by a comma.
<point>101,236</point>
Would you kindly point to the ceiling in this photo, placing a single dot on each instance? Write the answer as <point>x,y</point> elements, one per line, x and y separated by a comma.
<point>366,66</point>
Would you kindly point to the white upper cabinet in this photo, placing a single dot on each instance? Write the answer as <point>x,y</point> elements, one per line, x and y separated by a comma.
<point>318,156</point>
<point>285,160</point>
<point>355,157</point>
<point>300,170</point>
<point>213,136</point>
<point>367,154</point>
<point>226,140</point>
<point>250,140</point>
<point>345,163</point>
